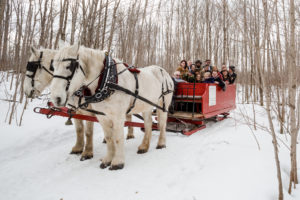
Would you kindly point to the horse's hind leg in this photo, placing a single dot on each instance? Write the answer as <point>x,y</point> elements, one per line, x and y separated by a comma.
<point>88,149</point>
<point>130,134</point>
<point>143,148</point>
<point>78,148</point>
<point>162,122</point>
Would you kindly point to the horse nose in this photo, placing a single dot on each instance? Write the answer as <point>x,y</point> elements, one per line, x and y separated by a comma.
<point>58,100</point>
<point>30,95</point>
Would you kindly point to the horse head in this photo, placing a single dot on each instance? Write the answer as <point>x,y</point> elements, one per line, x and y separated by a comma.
<point>38,71</point>
<point>68,74</point>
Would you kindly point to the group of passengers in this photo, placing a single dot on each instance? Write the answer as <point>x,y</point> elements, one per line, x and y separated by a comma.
<point>196,73</point>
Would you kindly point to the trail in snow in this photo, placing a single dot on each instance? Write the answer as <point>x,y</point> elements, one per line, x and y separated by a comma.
<point>219,162</point>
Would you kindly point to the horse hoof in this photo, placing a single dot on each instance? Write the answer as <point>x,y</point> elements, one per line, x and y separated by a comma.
<point>141,151</point>
<point>76,152</point>
<point>83,158</point>
<point>104,141</point>
<point>116,167</point>
<point>160,146</point>
<point>104,165</point>
<point>129,137</point>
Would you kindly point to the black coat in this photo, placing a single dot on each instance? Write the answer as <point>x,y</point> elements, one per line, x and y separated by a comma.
<point>221,83</point>
<point>209,80</point>
<point>232,78</point>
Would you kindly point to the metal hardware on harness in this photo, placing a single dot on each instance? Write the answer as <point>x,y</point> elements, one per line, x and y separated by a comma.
<point>103,91</point>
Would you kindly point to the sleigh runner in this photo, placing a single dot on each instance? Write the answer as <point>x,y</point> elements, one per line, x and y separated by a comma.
<point>194,105</point>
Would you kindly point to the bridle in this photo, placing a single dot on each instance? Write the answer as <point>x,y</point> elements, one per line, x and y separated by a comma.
<point>74,65</point>
<point>32,66</point>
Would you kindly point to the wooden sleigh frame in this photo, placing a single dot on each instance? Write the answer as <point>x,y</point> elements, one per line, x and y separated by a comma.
<point>194,105</point>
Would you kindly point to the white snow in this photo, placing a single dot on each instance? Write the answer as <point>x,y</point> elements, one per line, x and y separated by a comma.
<point>221,162</point>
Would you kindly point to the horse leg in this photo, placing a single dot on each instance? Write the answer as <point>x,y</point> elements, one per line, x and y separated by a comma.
<point>143,148</point>
<point>88,149</point>
<point>107,128</point>
<point>162,122</point>
<point>130,134</point>
<point>118,140</point>
<point>78,148</point>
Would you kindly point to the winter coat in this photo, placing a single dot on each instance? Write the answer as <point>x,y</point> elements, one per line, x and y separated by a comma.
<point>178,80</point>
<point>203,72</point>
<point>209,80</point>
<point>232,78</point>
<point>220,83</point>
<point>220,75</point>
<point>182,70</point>
<point>225,78</point>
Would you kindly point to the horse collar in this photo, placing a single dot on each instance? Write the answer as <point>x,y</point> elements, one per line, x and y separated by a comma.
<point>102,91</point>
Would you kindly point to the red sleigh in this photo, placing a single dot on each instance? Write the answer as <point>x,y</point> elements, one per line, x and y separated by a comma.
<point>194,105</point>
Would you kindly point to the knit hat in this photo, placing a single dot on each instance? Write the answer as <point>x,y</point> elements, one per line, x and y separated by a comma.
<point>232,68</point>
<point>198,61</point>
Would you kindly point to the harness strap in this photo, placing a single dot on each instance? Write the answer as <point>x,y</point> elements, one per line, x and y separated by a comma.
<point>163,96</point>
<point>73,67</point>
<point>162,90</point>
<point>41,55</point>
<point>94,111</point>
<point>136,93</point>
<point>62,77</point>
<point>86,109</point>
<point>117,87</point>
<point>131,68</point>
<point>47,70</point>
<point>51,66</point>
<point>168,91</point>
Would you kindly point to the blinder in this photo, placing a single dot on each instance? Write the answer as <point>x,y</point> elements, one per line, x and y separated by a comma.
<point>32,66</point>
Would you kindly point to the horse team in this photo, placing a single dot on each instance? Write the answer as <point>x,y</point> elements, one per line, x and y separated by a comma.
<point>55,69</point>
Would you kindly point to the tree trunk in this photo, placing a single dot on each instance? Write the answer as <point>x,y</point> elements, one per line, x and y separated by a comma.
<point>292,98</point>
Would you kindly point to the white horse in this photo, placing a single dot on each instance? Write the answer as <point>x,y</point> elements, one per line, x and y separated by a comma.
<point>153,82</point>
<point>38,77</point>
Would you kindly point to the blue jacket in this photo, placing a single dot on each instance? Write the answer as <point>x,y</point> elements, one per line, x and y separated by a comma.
<point>209,80</point>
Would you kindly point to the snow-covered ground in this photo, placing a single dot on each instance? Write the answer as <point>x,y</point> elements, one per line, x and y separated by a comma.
<point>221,162</point>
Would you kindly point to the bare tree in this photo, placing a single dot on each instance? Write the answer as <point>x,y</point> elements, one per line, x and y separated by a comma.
<point>292,97</point>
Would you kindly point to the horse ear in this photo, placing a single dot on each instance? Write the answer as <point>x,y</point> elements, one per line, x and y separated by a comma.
<point>61,44</point>
<point>75,48</point>
<point>34,50</point>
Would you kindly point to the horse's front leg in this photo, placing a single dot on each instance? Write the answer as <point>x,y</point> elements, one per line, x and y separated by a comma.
<point>107,128</point>
<point>88,149</point>
<point>130,134</point>
<point>78,148</point>
<point>143,148</point>
<point>118,140</point>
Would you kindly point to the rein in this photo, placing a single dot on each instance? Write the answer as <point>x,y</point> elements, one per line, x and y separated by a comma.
<point>34,65</point>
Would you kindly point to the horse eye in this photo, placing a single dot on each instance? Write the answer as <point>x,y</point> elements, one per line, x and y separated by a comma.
<point>71,67</point>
